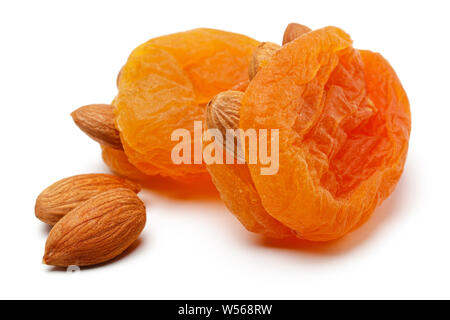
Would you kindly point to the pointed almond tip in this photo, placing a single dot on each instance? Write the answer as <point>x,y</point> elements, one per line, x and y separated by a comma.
<point>46,259</point>
<point>98,122</point>
<point>74,113</point>
<point>293,31</point>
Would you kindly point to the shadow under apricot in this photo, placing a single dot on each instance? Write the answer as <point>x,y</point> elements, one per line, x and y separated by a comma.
<point>200,189</point>
<point>382,215</point>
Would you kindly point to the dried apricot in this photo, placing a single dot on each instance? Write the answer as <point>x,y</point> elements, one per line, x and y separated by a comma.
<point>344,123</point>
<point>238,192</point>
<point>118,162</point>
<point>166,84</point>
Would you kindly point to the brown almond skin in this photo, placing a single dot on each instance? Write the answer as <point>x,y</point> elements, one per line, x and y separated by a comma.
<point>97,121</point>
<point>97,231</point>
<point>222,113</point>
<point>293,31</point>
<point>63,196</point>
<point>262,55</point>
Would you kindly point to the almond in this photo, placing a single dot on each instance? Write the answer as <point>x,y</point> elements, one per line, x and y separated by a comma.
<point>98,230</point>
<point>97,121</point>
<point>293,31</point>
<point>262,55</point>
<point>63,196</point>
<point>222,113</point>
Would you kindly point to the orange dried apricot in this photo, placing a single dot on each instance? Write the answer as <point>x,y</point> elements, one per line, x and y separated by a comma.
<point>238,192</point>
<point>165,85</point>
<point>344,123</point>
<point>118,162</point>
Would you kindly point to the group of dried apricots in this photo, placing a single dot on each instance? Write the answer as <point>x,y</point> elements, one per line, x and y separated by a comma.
<point>342,114</point>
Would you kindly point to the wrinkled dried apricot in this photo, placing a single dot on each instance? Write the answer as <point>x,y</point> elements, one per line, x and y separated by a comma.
<point>344,124</point>
<point>165,86</point>
<point>238,191</point>
<point>118,162</point>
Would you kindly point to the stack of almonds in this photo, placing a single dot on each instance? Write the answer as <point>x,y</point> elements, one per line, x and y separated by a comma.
<point>95,217</point>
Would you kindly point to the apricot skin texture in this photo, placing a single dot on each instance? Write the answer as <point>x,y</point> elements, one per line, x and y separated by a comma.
<point>344,123</point>
<point>166,84</point>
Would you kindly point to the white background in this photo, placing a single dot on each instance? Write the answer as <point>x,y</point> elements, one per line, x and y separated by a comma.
<point>58,55</point>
